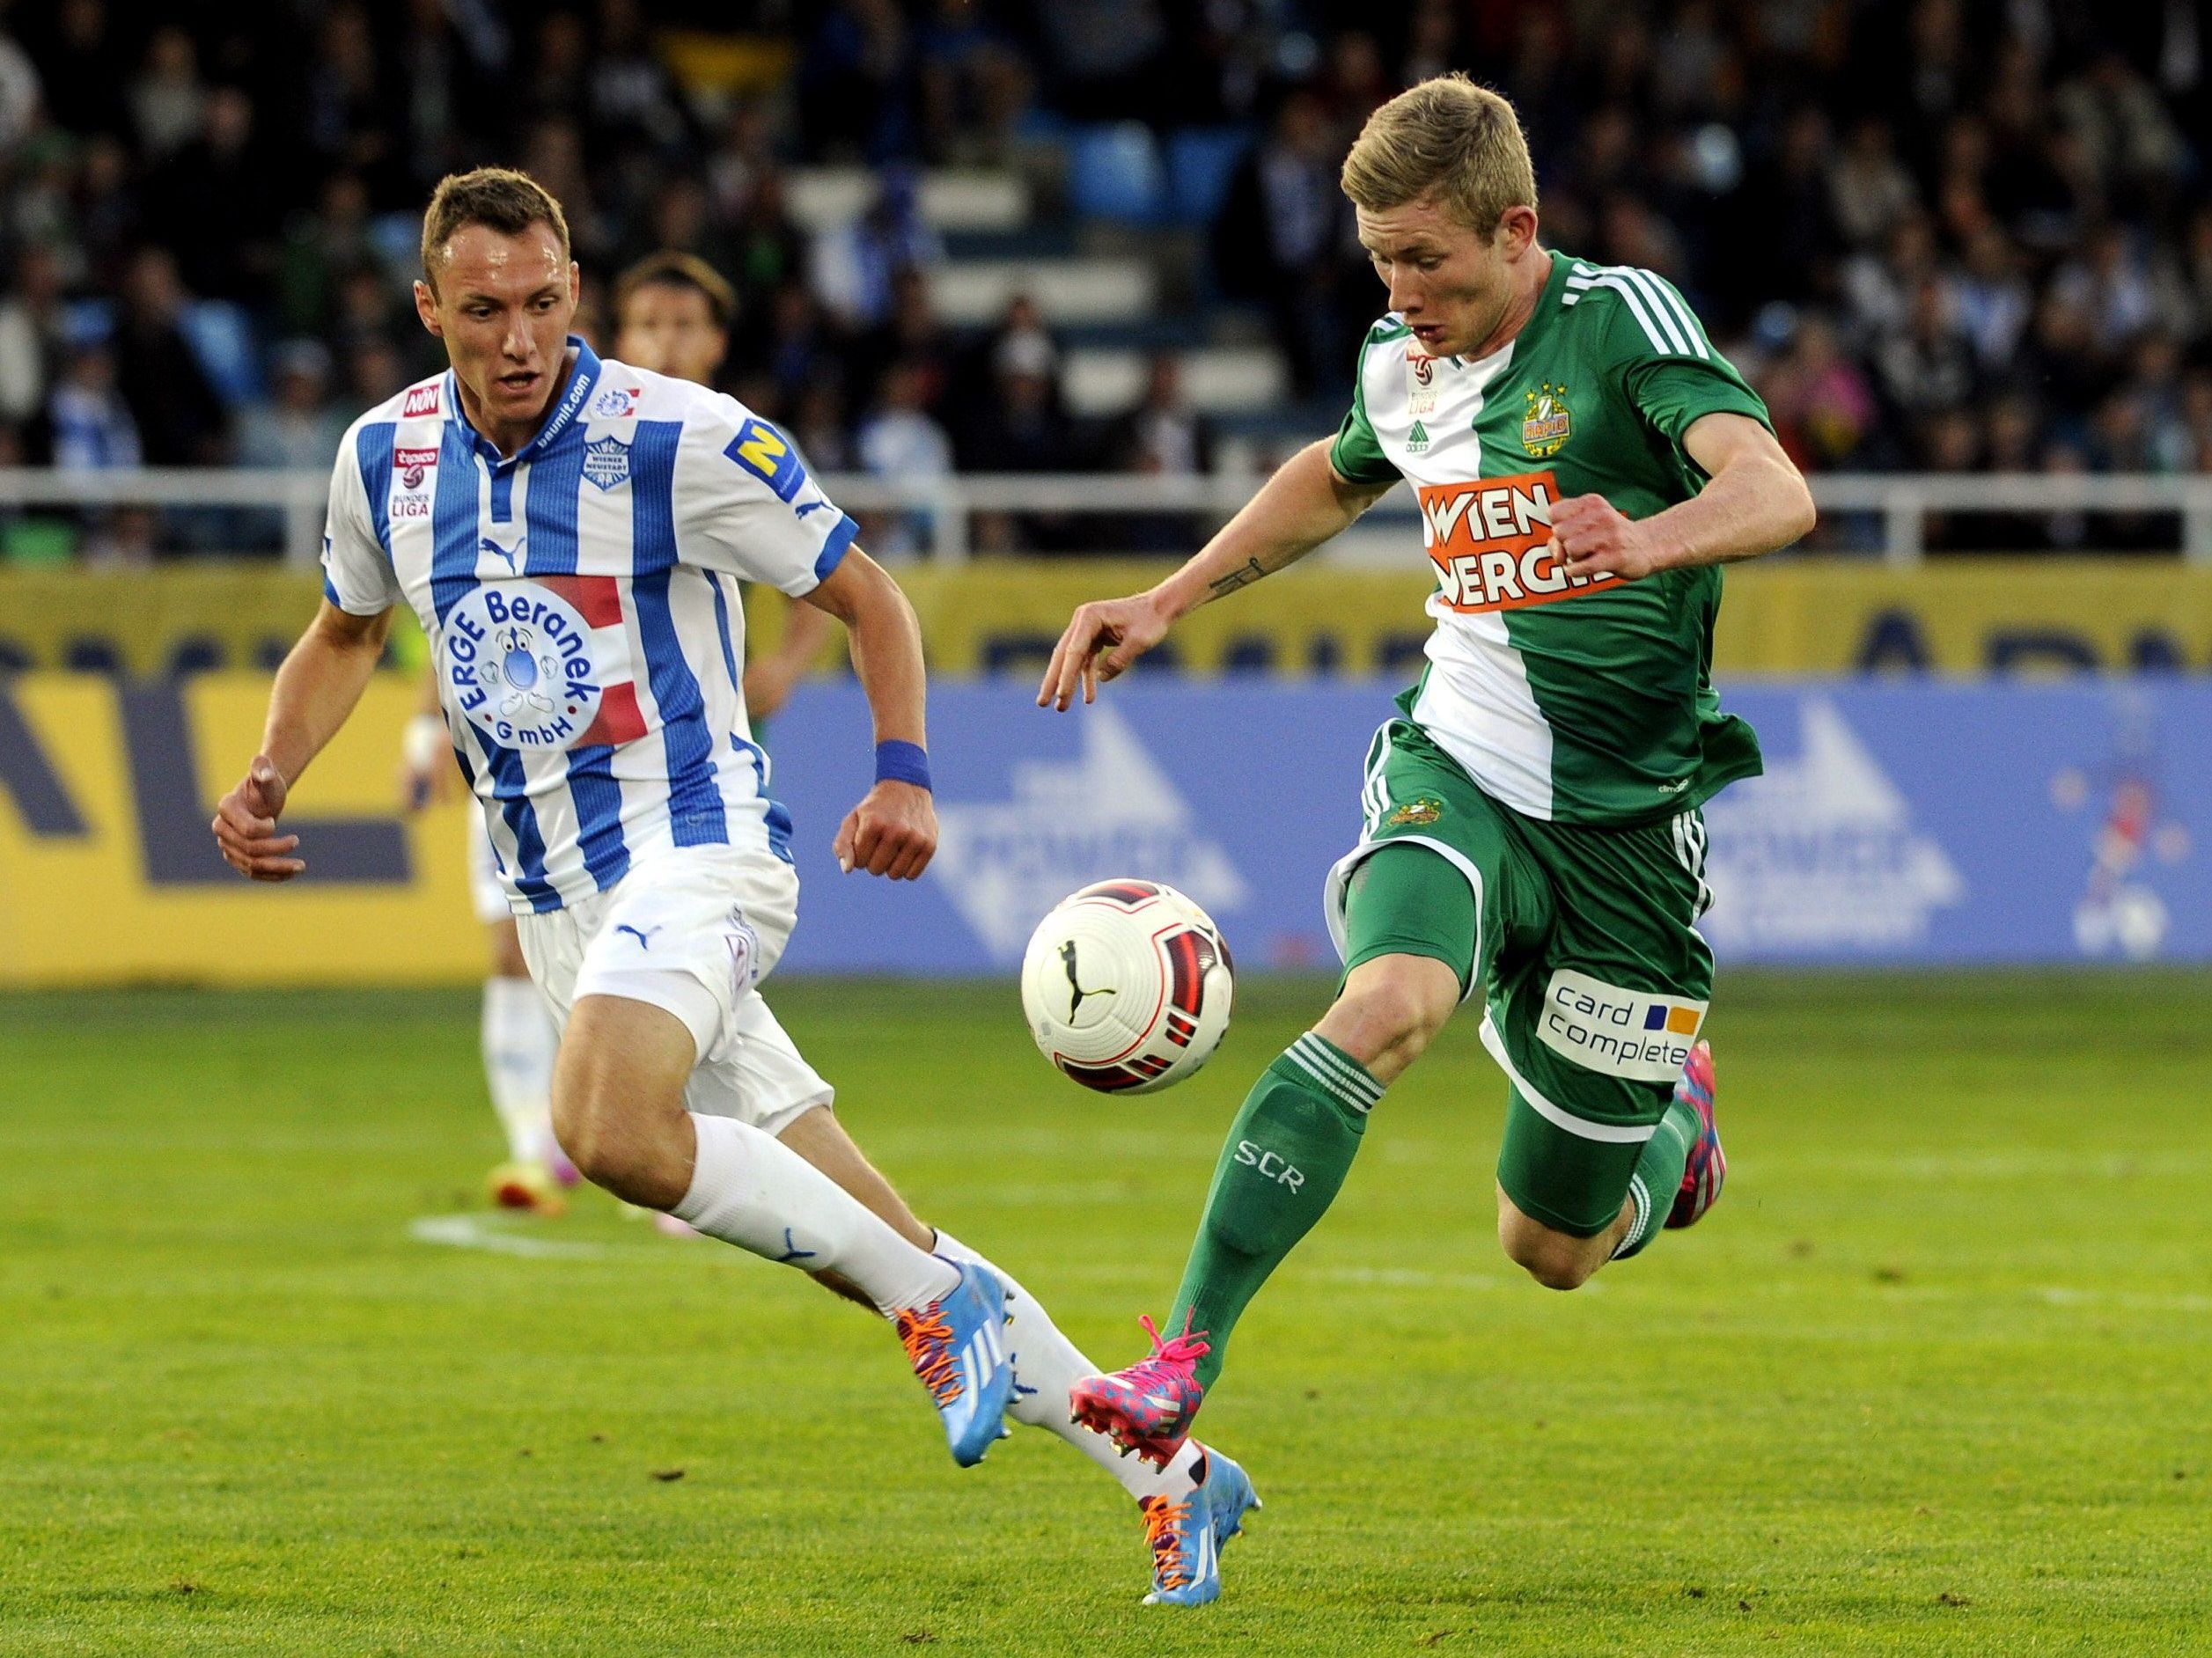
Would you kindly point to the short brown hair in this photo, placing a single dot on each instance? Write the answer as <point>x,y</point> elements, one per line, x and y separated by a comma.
<point>502,199</point>
<point>672,269</point>
<point>1446,138</point>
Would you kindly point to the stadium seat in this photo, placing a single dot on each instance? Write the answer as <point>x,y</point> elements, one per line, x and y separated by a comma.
<point>974,293</point>
<point>221,338</point>
<point>88,321</point>
<point>1201,162</point>
<point>1216,380</point>
<point>397,240</point>
<point>1114,173</point>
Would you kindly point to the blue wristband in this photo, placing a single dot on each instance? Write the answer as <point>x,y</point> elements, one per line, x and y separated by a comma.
<point>897,762</point>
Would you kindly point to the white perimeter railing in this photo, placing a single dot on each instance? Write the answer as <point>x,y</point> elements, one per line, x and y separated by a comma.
<point>941,511</point>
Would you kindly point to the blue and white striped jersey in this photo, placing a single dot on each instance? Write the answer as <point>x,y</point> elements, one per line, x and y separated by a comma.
<point>582,605</point>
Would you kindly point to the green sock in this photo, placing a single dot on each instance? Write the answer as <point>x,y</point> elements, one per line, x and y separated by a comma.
<point>1658,1175</point>
<point>1287,1153</point>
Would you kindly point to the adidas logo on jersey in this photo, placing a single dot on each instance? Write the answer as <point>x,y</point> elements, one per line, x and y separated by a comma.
<point>1417,440</point>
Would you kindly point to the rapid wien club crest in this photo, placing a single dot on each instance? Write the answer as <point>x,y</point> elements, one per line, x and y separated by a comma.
<point>1550,424</point>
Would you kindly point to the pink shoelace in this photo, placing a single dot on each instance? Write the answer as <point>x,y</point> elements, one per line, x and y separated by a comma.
<point>1176,1354</point>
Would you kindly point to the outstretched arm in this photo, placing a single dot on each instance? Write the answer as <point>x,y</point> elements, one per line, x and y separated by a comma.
<point>893,830</point>
<point>1754,501</point>
<point>316,689</point>
<point>1302,506</point>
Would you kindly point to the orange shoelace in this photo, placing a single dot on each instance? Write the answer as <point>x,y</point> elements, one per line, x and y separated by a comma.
<point>1161,1518</point>
<point>928,1341</point>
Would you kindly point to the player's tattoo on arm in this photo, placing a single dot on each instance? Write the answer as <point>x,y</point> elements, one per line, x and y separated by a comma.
<point>1251,571</point>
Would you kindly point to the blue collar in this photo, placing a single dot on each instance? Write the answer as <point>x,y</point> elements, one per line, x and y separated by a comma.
<point>582,379</point>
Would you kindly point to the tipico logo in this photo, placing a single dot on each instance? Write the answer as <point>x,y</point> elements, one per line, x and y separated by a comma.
<point>517,660</point>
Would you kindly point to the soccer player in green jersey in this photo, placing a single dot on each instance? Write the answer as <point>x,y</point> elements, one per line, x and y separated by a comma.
<point>1584,461</point>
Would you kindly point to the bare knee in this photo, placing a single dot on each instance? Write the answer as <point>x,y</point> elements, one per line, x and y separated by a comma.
<point>644,1164</point>
<point>1390,1010</point>
<point>1555,1259</point>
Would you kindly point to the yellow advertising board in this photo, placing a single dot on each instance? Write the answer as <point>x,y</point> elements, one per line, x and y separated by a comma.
<point>1807,616</point>
<point>108,873</point>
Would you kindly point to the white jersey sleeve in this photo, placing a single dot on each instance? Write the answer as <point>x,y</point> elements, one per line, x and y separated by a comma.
<point>745,504</point>
<point>356,568</point>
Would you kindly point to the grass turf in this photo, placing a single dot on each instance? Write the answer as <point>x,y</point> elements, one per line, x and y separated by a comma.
<point>1931,1380</point>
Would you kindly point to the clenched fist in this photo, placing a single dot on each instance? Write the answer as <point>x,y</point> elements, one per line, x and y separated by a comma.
<point>245,827</point>
<point>893,831</point>
<point>1593,537</point>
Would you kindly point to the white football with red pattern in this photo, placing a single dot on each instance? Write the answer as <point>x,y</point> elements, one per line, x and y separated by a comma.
<point>1127,986</point>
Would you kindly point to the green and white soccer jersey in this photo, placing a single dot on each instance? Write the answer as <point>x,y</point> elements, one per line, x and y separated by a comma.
<point>1575,700</point>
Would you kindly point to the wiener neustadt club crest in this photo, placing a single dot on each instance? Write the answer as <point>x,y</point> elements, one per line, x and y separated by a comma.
<point>607,461</point>
<point>1549,423</point>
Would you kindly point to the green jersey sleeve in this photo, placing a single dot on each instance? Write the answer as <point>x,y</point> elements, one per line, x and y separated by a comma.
<point>1356,456</point>
<point>1670,368</point>
<point>1674,394</point>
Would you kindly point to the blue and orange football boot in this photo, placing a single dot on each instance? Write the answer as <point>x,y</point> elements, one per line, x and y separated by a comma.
<point>526,1185</point>
<point>957,1347</point>
<point>1707,1166</point>
<point>1187,1537</point>
<point>1148,1407</point>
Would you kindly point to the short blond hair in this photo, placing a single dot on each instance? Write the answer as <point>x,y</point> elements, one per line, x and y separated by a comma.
<point>502,199</point>
<point>1449,139</point>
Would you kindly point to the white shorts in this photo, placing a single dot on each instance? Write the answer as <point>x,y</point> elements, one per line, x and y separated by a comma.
<point>692,930</point>
<point>484,890</point>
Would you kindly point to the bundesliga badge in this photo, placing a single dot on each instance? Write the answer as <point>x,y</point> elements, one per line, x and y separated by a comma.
<point>1549,424</point>
<point>1421,383</point>
<point>517,660</point>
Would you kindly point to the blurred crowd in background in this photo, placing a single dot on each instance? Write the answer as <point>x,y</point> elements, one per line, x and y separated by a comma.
<point>1938,234</point>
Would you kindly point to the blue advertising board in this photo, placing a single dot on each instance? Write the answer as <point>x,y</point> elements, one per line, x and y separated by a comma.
<point>1911,822</point>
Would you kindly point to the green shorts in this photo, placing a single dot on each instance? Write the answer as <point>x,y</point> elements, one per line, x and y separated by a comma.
<point>1586,951</point>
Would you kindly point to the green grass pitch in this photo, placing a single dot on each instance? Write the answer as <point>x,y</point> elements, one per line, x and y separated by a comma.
<point>1932,1378</point>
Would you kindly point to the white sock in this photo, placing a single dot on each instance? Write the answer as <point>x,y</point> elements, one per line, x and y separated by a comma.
<point>518,1043</point>
<point>1046,1365</point>
<point>750,1189</point>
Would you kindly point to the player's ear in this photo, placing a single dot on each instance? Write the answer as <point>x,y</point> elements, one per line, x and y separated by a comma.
<point>1515,231</point>
<point>426,307</point>
<point>576,284</point>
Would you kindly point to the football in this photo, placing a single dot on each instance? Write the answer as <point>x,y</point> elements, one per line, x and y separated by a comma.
<point>1127,986</point>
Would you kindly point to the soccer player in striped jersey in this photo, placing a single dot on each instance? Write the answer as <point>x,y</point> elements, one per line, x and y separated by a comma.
<point>672,314</point>
<point>1584,461</point>
<point>570,533</point>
